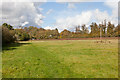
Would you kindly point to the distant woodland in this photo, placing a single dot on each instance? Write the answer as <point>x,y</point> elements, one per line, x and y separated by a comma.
<point>9,34</point>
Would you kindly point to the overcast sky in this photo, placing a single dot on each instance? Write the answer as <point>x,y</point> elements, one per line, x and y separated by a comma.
<point>65,15</point>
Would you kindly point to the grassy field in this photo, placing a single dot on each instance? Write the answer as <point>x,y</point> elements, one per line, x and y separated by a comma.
<point>61,59</point>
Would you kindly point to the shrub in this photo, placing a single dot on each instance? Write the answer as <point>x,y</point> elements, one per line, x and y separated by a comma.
<point>7,35</point>
<point>21,35</point>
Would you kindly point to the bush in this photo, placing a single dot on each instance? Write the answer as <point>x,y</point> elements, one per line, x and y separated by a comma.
<point>21,35</point>
<point>7,36</point>
<point>24,37</point>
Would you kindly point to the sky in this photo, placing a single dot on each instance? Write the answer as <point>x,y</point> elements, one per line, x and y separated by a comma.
<point>61,15</point>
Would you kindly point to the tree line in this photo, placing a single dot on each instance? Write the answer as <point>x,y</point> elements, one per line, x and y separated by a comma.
<point>9,34</point>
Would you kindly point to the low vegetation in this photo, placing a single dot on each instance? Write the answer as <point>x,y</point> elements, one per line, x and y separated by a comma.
<point>61,59</point>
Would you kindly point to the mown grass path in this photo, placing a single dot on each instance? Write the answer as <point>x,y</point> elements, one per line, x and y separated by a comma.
<point>61,59</point>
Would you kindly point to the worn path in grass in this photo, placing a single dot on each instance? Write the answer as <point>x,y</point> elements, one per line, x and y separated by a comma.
<point>61,59</point>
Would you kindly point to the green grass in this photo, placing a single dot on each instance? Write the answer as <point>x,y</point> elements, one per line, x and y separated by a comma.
<point>61,59</point>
